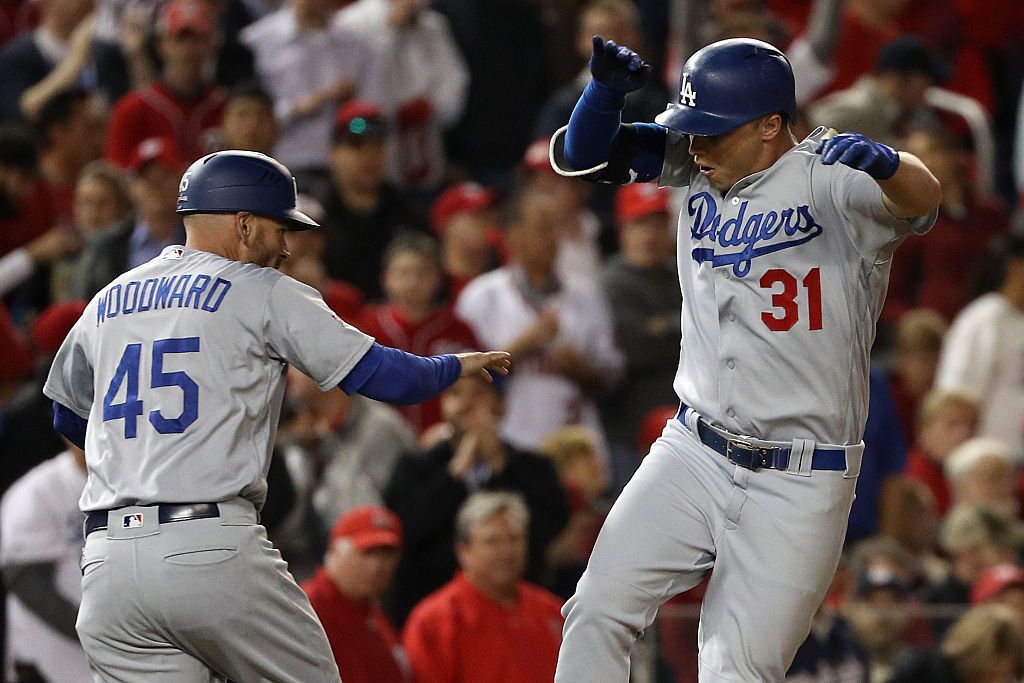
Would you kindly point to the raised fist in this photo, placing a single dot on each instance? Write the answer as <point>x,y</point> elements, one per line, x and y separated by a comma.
<point>617,67</point>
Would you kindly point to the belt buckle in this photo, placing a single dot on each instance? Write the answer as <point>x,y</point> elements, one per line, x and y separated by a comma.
<point>759,456</point>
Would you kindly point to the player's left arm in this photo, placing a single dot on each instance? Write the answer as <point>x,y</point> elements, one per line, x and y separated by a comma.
<point>596,145</point>
<point>909,189</point>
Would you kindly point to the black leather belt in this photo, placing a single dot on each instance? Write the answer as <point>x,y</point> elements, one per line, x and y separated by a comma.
<point>752,457</point>
<point>166,513</point>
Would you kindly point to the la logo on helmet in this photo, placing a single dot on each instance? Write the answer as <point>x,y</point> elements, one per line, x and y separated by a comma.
<point>687,95</point>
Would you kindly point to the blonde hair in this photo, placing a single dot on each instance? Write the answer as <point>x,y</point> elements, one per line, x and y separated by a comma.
<point>566,444</point>
<point>483,505</point>
<point>982,634</point>
<point>920,329</point>
<point>939,399</point>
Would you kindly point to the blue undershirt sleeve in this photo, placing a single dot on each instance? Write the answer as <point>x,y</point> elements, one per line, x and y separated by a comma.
<point>593,126</point>
<point>69,425</point>
<point>596,135</point>
<point>394,376</point>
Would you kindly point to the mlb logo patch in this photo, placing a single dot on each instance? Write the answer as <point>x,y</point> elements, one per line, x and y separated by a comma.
<point>132,521</point>
<point>172,254</point>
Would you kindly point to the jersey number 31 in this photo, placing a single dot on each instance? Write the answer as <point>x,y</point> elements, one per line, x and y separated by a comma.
<point>787,311</point>
<point>127,373</point>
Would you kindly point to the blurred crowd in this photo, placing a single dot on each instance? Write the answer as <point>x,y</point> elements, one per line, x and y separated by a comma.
<point>437,542</point>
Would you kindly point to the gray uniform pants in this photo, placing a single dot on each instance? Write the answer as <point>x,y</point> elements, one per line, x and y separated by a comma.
<point>773,538</point>
<point>198,600</point>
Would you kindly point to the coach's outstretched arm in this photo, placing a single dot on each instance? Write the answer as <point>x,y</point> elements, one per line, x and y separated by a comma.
<point>908,188</point>
<point>597,146</point>
<point>391,375</point>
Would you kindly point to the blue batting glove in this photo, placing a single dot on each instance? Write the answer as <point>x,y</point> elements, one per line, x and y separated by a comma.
<point>617,67</point>
<point>860,152</point>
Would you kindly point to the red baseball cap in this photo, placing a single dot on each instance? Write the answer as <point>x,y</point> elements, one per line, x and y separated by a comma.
<point>187,15</point>
<point>357,119</point>
<point>54,324</point>
<point>459,198</point>
<point>639,200</point>
<point>536,157</point>
<point>155,150</point>
<point>995,580</point>
<point>369,526</point>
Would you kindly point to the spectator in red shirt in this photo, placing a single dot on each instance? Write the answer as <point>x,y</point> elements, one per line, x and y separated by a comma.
<point>414,319</point>
<point>471,243</point>
<point>487,624</point>
<point>940,272</point>
<point>946,420</point>
<point>358,566</point>
<point>181,105</point>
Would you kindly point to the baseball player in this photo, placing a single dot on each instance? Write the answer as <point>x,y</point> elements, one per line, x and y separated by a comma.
<point>173,380</point>
<point>783,257</point>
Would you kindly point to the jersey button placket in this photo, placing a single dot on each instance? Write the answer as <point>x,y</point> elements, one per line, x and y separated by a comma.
<point>731,364</point>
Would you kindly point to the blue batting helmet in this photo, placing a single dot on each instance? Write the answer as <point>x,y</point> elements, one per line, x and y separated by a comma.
<point>728,83</point>
<point>236,180</point>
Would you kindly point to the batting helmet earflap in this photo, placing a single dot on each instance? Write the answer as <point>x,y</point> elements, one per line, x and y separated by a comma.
<point>726,84</point>
<point>236,180</point>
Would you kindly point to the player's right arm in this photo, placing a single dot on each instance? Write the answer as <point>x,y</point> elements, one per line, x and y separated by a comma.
<point>596,145</point>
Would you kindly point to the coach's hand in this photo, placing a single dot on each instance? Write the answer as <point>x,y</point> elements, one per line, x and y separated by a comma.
<point>860,152</point>
<point>617,67</point>
<point>483,364</point>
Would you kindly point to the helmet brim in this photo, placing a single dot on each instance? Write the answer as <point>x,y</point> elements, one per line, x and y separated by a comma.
<point>695,122</point>
<point>299,221</point>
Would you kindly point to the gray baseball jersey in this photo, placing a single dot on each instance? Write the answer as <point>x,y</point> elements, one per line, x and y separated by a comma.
<point>783,277</point>
<point>179,366</point>
<point>792,261</point>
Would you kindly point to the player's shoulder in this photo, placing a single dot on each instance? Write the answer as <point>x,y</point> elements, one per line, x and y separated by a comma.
<point>805,151</point>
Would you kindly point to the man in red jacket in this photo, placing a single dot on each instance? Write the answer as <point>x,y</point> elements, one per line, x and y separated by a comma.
<point>181,105</point>
<point>487,624</point>
<point>358,566</point>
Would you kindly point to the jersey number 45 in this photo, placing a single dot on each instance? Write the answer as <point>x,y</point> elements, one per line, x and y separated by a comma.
<point>131,408</point>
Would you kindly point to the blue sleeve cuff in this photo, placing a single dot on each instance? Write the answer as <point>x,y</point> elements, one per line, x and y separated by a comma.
<point>69,425</point>
<point>394,376</point>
